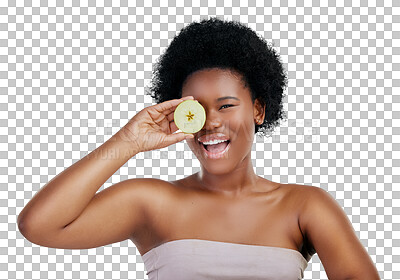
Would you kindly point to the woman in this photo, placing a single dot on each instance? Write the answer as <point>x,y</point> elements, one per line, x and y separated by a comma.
<point>224,222</point>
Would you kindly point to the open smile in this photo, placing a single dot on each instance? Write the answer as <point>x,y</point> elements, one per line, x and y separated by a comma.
<point>215,155</point>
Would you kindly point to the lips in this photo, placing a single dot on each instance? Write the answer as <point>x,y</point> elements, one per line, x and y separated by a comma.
<point>218,155</point>
<point>213,137</point>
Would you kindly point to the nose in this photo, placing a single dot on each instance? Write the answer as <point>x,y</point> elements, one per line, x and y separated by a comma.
<point>212,121</point>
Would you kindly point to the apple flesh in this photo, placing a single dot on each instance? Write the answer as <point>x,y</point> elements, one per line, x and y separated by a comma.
<point>190,116</point>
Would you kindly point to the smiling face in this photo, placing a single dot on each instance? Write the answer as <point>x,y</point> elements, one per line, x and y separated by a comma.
<point>229,110</point>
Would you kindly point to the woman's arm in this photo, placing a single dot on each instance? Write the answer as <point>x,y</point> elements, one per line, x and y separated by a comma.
<point>67,212</point>
<point>334,239</point>
<point>63,199</point>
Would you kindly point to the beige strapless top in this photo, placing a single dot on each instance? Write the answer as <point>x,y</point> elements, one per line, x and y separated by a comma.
<point>197,259</point>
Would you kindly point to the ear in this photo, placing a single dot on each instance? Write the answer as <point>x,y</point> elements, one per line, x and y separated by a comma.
<point>259,112</point>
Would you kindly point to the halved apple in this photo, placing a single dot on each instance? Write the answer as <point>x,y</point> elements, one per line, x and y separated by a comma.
<point>190,116</point>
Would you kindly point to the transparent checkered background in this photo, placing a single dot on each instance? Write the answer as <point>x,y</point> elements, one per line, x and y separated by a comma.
<point>72,75</point>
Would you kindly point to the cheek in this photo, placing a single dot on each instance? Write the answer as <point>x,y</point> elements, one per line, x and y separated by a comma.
<point>242,127</point>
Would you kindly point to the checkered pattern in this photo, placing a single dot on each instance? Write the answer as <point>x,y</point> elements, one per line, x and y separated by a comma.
<point>72,75</point>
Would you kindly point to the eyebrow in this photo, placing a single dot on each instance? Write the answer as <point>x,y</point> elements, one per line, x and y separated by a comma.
<point>227,97</point>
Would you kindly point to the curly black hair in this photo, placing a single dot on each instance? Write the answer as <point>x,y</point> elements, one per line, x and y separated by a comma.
<point>216,43</point>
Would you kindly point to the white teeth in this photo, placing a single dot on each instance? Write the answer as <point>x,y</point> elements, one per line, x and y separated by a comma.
<point>214,142</point>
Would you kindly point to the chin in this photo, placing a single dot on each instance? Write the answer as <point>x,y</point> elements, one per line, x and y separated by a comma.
<point>216,169</point>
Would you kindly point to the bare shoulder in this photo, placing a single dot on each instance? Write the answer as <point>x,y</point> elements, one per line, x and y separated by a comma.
<point>150,183</point>
<point>309,199</point>
<point>302,194</point>
<point>307,202</point>
<point>146,193</point>
<point>157,192</point>
<point>152,188</point>
<point>313,195</point>
<point>305,189</point>
<point>329,233</point>
<point>318,203</point>
<point>156,196</point>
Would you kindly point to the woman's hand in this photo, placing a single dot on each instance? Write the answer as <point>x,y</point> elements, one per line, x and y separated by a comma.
<point>153,127</point>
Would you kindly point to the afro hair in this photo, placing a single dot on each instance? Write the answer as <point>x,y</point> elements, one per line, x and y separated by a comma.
<point>216,43</point>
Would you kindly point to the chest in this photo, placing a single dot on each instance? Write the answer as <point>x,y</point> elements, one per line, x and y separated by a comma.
<point>253,219</point>
<point>259,220</point>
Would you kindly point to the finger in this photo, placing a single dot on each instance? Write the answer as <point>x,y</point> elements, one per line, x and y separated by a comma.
<point>170,116</point>
<point>177,137</point>
<point>167,107</point>
<point>172,126</point>
<point>158,116</point>
<point>172,109</point>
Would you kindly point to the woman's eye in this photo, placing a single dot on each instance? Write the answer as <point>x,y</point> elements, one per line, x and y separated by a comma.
<point>227,105</point>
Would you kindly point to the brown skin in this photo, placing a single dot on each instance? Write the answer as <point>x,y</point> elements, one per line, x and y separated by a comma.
<point>226,201</point>
<point>234,174</point>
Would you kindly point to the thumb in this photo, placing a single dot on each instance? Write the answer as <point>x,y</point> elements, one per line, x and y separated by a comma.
<point>177,137</point>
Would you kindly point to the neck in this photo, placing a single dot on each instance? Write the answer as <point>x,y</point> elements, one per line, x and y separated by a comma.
<point>239,181</point>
